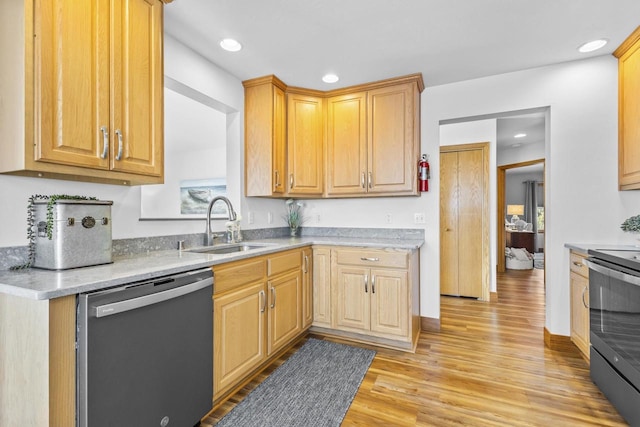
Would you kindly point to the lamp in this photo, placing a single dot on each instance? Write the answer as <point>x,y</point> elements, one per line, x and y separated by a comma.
<point>515,210</point>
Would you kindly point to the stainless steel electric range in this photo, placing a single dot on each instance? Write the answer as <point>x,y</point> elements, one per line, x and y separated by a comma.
<point>614,313</point>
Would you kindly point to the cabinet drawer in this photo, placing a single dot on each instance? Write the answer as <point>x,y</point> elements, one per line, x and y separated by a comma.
<point>578,266</point>
<point>284,262</point>
<point>229,276</point>
<point>373,258</point>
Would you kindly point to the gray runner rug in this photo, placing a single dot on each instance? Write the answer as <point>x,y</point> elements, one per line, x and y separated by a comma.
<point>314,387</point>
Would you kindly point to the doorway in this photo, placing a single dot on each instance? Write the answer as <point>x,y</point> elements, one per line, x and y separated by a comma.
<point>464,220</point>
<point>506,227</point>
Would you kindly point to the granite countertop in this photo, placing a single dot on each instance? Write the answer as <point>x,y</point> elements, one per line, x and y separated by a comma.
<point>45,284</point>
<point>584,247</point>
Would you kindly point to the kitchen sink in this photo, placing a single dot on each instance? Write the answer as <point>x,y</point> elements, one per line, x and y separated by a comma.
<point>230,248</point>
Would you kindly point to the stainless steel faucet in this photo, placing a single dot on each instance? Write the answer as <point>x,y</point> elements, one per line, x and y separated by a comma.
<point>208,238</point>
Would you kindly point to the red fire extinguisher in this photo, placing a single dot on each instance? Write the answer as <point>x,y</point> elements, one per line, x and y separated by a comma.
<point>423,173</point>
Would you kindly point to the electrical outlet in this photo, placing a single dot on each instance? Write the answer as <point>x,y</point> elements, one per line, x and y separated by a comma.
<point>419,218</point>
<point>388,218</point>
<point>269,217</point>
<point>251,218</point>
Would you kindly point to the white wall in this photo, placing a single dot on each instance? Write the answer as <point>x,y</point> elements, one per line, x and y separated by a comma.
<point>582,201</point>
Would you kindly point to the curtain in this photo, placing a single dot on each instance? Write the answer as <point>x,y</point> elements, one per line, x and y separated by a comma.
<point>531,206</point>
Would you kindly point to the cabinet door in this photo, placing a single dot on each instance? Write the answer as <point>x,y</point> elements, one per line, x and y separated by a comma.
<point>390,303</point>
<point>393,137</point>
<point>579,312</point>
<point>238,338</point>
<point>137,87</point>
<point>265,138</point>
<point>285,310</point>
<point>72,81</point>
<point>629,118</point>
<point>351,303</point>
<point>322,287</point>
<point>449,223</point>
<point>304,144</point>
<point>347,144</point>
<point>307,288</point>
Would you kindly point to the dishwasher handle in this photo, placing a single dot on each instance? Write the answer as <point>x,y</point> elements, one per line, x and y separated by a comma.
<point>133,303</point>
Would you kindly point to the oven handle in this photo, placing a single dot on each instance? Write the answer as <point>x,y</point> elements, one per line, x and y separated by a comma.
<point>627,278</point>
<point>133,303</point>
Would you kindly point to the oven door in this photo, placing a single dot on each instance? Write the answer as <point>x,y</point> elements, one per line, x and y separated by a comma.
<point>614,311</point>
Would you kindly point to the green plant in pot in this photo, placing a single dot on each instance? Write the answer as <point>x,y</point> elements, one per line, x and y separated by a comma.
<point>293,216</point>
<point>31,235</point>
<point>632,225</point>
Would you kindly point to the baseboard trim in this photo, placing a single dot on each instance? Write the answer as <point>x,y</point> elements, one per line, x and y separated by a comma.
<point>558,342</point>
<point>429,324</point>
<point>493,297</point>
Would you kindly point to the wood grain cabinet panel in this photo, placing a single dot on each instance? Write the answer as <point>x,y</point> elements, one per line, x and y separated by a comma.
<point>628,55</point>
<point>265,137</point>
<point>370,300</point>
<point>92,92</point>
<point>579,288</point>
<point>322,287</point>
<point>305,158</point>
<point>307,287</point>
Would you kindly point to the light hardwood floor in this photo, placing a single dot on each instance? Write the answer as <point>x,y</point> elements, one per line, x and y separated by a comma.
<point>487,366</point>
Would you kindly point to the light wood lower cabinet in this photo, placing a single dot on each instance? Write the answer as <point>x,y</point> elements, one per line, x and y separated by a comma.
<point>579,279</point>
<point>307,287</point>
<point>37,361</point>
<point>368,295</point>
<point>257,310</point>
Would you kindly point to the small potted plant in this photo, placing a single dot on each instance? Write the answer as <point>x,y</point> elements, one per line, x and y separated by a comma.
<point>293,216</point>
<point>631,224</point>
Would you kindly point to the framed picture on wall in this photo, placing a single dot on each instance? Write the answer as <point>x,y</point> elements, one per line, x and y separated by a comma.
<point>195,196</point>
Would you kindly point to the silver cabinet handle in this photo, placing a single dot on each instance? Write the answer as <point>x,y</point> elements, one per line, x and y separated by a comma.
<point>366,282</point>
<point>370,259</point>
<point>143,301</point>
<point>306,264</point>
<point>291,181</point>
<point>263,306</point>
<point>586,288</point>
<point>119,135</point>
<point>273,297</point>
<point>373,283</point>
<point>277,179</point>
<point>362,179</point>
<point>370,181</point>
<point>105,142</point>
<point>578,264</point>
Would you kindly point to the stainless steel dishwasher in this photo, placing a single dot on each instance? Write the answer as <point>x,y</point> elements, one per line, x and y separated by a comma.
<point>145,353</point>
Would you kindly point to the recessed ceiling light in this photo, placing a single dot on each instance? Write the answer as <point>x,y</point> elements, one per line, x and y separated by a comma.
<point>330,78</point>
<point>231,45</point>
<point>516,145</point>
<point>519,135</point>
<point>592,45</point>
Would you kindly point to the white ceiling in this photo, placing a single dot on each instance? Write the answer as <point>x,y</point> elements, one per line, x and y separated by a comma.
<point>368,40</point>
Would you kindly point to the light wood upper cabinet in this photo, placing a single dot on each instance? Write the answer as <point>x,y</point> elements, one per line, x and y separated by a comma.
<point>91,87</point>
<point>628,55</point>
<point>265,137</point>
<point>347,169</point>
<point>371,133</point>
<point>304,144</point>
<point>394,140</point>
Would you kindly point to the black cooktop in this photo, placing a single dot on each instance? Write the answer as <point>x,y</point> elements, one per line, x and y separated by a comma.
<point>629,258</point>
